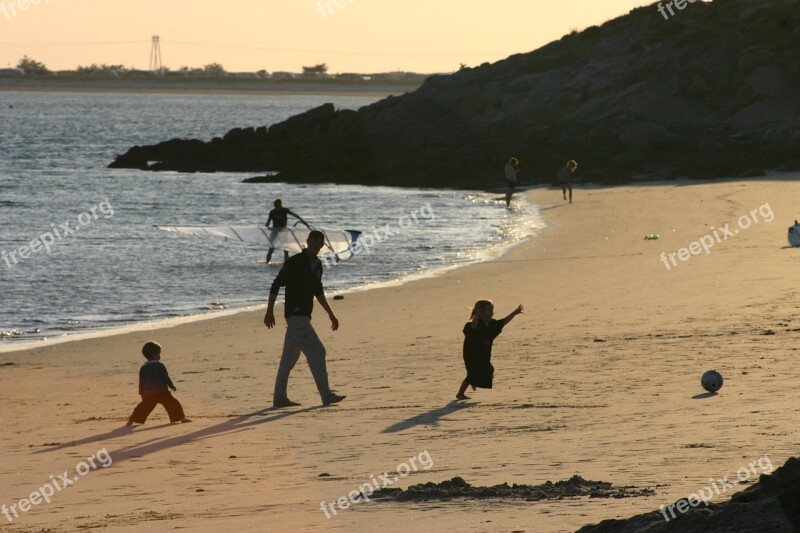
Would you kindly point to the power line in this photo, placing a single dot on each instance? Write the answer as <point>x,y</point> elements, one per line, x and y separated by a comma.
<point>72,43</point>
<point>337,52</point>
<point>264,48</point>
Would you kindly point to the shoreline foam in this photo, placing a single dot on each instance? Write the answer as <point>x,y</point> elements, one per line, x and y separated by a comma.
<point>493,253</point>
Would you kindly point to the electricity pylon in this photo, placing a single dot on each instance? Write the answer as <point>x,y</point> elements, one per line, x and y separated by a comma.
<point>155,56</point>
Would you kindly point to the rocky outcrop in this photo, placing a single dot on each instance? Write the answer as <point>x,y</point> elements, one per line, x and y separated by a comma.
<point>772,504</point>
<point>713,91</point>
<point>457,488</point>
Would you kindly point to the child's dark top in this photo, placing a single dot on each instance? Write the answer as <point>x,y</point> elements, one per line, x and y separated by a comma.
<point>478,352</point>
<point>153,379</point>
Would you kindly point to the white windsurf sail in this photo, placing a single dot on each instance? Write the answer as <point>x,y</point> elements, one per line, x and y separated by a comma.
<point>337,242</point>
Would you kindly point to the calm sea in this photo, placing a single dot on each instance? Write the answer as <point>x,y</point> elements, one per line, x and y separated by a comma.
<point>116,269</point>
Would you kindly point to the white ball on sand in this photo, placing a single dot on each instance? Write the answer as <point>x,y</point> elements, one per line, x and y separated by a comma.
<point>711,381</point>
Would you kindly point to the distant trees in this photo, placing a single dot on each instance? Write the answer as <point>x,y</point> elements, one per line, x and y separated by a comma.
<point>322,68</point>
<point>191,71</point>
<point>94,68</point>
<point>31,66</point>
<point>214,69</point>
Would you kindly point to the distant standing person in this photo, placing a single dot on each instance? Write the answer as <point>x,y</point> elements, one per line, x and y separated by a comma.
<point>302,277</point>
<point>154,385</point>
<point>565,178</point>
<point>479,334</point>
<point>512,167</point>
<point>279,216</point>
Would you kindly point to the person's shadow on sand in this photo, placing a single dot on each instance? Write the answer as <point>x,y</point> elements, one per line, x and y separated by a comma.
<point>429,418</point>
<point>232,425</point>
<point>114,433</point>
<point>549,207</point>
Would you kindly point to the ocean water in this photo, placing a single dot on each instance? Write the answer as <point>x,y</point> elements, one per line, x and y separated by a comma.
<point>108,266</point>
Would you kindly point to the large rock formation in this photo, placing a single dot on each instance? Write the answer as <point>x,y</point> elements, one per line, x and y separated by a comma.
<point>712,91</point>
<point>772,504</point>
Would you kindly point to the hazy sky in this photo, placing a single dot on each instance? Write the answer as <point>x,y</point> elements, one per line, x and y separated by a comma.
<point>249,35</point>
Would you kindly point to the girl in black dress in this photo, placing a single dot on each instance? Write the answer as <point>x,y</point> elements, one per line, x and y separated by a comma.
<point>479,333</point>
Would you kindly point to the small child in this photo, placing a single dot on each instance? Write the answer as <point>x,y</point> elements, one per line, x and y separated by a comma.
<point>153,383</point>
<point>479,333</point>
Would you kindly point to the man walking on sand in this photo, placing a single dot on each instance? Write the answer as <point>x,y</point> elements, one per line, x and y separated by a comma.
<point>302,277</point>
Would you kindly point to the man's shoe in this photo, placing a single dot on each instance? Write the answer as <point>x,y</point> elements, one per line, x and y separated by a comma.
<point>284,403</point>
<point>333,398</point>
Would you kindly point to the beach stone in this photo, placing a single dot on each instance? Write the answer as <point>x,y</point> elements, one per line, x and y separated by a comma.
<point>769,505</point>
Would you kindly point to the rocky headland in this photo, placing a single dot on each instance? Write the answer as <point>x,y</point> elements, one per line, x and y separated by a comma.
<point>713,91</point>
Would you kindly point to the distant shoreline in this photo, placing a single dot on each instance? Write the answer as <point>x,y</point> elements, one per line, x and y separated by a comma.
<point>207,86</point>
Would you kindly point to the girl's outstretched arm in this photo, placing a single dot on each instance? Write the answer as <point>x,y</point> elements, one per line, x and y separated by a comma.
<point>515,312</point>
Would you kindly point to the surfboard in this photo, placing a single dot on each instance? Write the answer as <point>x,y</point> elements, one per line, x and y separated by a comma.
<point>337,242</point>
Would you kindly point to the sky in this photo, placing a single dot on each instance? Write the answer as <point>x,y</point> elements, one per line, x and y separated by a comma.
<point>364,36</point>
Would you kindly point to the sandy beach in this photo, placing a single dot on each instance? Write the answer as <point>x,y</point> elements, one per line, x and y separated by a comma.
<point>599,377</point>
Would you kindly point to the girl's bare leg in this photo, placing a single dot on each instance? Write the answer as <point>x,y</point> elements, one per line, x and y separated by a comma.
<point>461,395</point>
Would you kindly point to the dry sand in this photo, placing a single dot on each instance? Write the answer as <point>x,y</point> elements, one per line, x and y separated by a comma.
<point>624,410</point>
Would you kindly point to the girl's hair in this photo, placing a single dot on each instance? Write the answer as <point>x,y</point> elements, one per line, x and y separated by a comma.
<point>479,305</point>
<point>513,161</point>
<point>572,163</point>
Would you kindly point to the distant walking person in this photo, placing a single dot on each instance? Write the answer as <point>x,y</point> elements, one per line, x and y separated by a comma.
<point>280,218</point>
<point>565,178</point>
<point>302,277</point>
<point>154,385</point>
<point>512,167</point>
<point>479,334</point>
